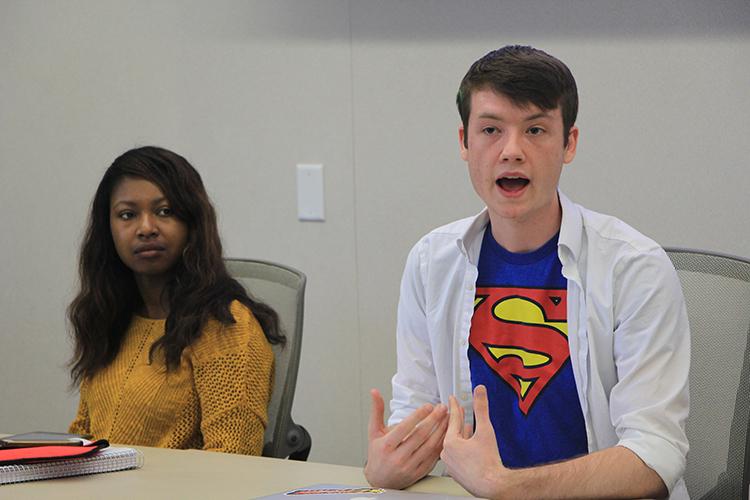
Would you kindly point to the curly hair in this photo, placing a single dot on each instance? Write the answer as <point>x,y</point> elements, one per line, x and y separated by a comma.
<point>199,287</point>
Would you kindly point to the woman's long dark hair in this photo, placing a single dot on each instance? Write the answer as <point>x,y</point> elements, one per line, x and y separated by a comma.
<point>200,287</point>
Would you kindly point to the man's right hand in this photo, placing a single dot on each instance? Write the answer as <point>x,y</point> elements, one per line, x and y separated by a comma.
<point>399,456</point>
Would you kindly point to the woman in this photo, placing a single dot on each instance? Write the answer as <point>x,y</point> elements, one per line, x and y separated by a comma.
<point>169,350</point>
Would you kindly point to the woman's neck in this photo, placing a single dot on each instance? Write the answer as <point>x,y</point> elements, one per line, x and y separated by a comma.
<point>155,304</point>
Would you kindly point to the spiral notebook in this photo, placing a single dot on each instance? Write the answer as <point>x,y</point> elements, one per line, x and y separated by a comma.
<point>106,460</point>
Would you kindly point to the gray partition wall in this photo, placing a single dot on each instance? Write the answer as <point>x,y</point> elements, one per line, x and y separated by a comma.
<point>248,89</point>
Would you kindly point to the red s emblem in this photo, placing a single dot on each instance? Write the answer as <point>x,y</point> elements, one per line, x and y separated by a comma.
<point>522,334</point>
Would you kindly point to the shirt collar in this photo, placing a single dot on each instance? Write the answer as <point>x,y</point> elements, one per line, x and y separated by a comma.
<point>470,241</point>
<point>571,229</point>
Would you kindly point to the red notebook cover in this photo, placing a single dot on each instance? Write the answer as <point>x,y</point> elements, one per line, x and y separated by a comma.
<point>11,456</point>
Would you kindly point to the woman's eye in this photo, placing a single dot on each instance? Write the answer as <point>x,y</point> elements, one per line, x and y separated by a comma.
<point>126,215</point>
<point>536,130</point>
<point>164,212</point>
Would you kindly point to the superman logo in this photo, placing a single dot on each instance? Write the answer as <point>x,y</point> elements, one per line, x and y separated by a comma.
<point>522,334</point>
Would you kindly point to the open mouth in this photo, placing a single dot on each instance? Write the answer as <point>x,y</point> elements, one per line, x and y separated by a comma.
<point>512,184</point>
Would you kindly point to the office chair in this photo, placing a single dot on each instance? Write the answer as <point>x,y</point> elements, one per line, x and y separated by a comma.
<point>283,289</point>
<point>717,295</point>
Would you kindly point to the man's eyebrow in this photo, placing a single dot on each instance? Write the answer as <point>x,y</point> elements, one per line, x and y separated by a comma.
<point>535,116</point>
<point>491,116</point>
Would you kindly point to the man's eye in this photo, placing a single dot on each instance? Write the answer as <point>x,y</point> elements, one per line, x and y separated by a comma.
<point>536,130</point>
<point>490,130</point>
<point>164,212</point>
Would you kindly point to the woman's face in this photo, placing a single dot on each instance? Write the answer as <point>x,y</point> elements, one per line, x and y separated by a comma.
<point>148,237</point>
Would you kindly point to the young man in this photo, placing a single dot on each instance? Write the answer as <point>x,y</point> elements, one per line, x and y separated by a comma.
<point>568,325</point>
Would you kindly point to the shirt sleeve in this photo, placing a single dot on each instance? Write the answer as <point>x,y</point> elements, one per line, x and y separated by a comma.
<point>415,381</point>
<point>233,370</point>
<point>649,403</point>
<point>80,424</point>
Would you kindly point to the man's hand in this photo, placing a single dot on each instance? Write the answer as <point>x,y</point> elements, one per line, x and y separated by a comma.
<point>473,461</point>
<point>399,456</point>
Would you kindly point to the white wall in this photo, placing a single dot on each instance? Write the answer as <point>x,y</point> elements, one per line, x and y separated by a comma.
<point>247,89</point>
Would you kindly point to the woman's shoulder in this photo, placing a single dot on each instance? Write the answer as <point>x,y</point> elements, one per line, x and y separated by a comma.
<point>221,339</point>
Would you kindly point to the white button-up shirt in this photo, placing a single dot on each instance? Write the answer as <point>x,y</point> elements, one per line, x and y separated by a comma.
<point>629,338</point>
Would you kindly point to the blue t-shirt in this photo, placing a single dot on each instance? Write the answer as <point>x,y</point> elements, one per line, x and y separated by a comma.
<point>519,351</point>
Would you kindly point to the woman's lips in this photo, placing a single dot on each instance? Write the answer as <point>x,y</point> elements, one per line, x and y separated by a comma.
<point>149,251</point>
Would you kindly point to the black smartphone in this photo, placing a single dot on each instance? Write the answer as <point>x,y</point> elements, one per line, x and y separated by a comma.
<point>39,438</point>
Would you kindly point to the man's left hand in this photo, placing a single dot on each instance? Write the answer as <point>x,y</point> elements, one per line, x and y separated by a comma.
<point>473,460</point>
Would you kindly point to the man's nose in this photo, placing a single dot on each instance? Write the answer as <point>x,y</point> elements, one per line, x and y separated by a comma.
<point>512,151</point>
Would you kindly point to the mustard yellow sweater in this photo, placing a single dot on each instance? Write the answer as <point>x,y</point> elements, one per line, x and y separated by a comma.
<point>216,400</point>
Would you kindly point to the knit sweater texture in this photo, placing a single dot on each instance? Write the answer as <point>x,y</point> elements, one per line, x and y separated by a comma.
<point>216,400</point>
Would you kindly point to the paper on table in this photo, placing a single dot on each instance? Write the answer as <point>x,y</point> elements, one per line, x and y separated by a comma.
<point>348,492</point>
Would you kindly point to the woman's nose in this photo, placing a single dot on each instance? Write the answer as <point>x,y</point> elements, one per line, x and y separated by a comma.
<point>147,226</point>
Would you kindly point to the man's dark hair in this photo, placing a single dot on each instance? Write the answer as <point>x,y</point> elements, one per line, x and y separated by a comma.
<point>524,75</point>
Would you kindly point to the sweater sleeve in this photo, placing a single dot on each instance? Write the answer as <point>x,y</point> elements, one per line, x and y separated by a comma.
<point>233,370</point>
<point>80,424</point>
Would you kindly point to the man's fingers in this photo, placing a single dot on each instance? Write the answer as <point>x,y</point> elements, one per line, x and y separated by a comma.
<point>481,408</point>
<point>376,427</point>
<point>407,425</point>
<point>455,420</point>
<point>418,438</point>
<point>429,453</point>
<point>435,441</point>
<point>425,467</point>
<point>463,419</point>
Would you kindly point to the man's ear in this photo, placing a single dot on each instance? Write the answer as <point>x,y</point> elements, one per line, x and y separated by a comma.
<point>570,149</point>
<point>461,144</point>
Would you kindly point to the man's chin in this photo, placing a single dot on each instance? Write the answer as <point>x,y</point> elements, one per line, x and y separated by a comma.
<point>507,213</point>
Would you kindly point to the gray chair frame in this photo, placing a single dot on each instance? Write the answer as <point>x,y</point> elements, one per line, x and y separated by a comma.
<point>705,425</point>
<point>283,438</point>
